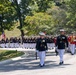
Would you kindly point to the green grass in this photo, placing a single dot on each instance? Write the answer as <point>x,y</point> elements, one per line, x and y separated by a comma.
<point>13,33</point>
<point>9,54</point>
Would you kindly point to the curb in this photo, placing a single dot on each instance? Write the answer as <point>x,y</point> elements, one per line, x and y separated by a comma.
<point>5,61</point>
<point>11,60</point>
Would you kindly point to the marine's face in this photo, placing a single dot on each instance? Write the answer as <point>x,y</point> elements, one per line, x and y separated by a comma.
<point>41,36</point>
<point>62,32</point>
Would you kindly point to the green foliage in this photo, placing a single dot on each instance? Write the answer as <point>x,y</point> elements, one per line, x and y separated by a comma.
<point>59,18</point>
<point>71,23</point>
<point>8,13</point>
<point>43,5</point>
<point>38,15</point>
<point>38,22</point>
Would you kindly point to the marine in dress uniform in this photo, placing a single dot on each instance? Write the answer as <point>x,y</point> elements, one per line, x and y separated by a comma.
<point>19,42</point>
<point>11,42</point>
<point>7,43</point>
<point>41,46</point>
<point>61,43</point>
<point>69,46</point>
<point>3,43</point>
<point>72,40</point>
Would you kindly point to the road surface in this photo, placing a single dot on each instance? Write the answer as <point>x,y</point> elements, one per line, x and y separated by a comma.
<point>28,65</point>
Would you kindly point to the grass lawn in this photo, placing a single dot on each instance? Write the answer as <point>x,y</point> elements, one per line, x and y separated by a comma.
<point>4,54</point>
<point>13,33</point>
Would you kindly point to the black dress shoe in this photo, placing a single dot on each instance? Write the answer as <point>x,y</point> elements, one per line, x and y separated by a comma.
<point>72,53</point>
<point>42,65</point>
<point>61,63</point>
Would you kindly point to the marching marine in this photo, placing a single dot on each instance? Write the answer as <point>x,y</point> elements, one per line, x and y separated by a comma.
<point>72,40</point>
<point>61,43</point>
<point>41,46</point>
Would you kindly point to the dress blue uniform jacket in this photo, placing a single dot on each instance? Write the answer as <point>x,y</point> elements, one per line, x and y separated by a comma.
<point>62,42</point>
<point>41,44</point>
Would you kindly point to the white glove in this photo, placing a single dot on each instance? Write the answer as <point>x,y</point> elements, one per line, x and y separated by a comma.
<point>46,50</point>
<point>55,48</point>
<point>37,50</point>
<point>67,48</point>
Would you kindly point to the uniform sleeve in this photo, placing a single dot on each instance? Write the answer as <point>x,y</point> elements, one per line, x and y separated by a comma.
<point>66,41</point>
<point>56,44</point>
<point>37,44</point>
<point>46,45</point>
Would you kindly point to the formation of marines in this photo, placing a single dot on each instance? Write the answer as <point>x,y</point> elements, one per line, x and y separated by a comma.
<point>27,42</point>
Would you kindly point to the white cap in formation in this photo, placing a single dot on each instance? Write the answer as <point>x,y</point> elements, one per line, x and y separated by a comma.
<point>62,30</point>
<point>42,33</point>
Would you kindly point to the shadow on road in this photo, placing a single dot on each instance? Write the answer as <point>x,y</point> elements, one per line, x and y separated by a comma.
<point>28,62</point>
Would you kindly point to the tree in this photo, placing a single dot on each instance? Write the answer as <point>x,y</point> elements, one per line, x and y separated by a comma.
<point>59,18</point>
<point>38,22</point>
<point>7,15</point>
<point>22,9</point>
<point>71,15</point>
<point>43,5</point>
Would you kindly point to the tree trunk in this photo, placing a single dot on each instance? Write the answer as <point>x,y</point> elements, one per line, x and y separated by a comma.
<point>1,21</point>
<point>20,19</point>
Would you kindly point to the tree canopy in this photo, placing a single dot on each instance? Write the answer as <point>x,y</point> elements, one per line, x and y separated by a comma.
<point>38,15</point>
<point>7,14</point>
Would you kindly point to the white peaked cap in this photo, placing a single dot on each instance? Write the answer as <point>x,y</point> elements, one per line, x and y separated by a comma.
<point>42,33</point>
<point>62,30</point>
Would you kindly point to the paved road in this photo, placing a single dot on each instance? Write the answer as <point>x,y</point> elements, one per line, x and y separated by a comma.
<point>28,65</point>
